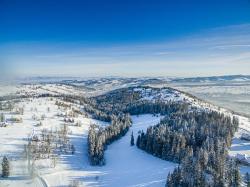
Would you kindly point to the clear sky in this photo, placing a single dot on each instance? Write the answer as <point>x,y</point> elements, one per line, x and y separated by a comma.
<point>124,37</point>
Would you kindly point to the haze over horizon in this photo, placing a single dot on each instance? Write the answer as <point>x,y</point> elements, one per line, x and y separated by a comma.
<point>124,38</point>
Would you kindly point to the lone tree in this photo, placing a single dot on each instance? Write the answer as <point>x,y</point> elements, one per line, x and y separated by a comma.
<point>73,149</point>
<point>5,167</point>
<point>138,140</point>
<point>132,141</point>
<point>247,179</point>
<point>2,118</point>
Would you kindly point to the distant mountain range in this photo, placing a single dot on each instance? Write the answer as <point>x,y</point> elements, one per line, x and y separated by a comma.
<point>133,81</point>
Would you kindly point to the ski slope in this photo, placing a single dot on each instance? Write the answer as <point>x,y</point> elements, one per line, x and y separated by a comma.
<point>125,165</point>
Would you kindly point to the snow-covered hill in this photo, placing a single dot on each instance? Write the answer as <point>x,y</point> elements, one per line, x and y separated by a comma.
<point>97,86</point>
<point>126,165</point>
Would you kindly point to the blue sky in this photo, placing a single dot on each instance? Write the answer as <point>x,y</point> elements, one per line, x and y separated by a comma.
<point>125,38</point>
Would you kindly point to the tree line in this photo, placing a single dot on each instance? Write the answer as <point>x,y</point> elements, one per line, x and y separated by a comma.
<point>99,138</point>
<point>199,141</point>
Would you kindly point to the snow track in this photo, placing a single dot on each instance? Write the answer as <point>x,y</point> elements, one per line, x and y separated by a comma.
<point>125,165</point>
<point>43,182</point>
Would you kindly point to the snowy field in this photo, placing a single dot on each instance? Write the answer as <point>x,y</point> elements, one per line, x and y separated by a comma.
<point>240,148</point>
<point>239,145</point>
<point>125,165</point>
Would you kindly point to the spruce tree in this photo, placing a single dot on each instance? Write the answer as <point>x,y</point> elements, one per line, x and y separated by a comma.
<point>237,178</point>
<point>138,141</point>
<point>132,141</point>
<point>169,182</point>
<point>73,149</point>
<point>247,179</point>
<point>5,167</point>
<point>2,118</point>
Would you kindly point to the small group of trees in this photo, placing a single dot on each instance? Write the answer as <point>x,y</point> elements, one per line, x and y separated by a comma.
<point>19,110</point>
<point>8,105</point>
<point>2,117</point>
<point>5,167</point>
<point>62,104</point>
<point>247,179</point>
<point>49,144</point>
<point>132,140</point>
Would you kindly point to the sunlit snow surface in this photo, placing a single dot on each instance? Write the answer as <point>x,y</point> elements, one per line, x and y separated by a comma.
<point>125,165</point>
<point>240,148</point>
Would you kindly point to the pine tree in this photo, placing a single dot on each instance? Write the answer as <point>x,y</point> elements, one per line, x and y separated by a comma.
<point>169,182</point>
<point>2,118</point>
<point>236,174</point>
<point>247,179</point>
<point>138,141</point>
<point>5,167</point>
<point>73,149</point>
<point>132,141</point>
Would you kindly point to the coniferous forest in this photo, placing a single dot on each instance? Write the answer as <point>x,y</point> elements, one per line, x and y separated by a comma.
<point>197,139</point>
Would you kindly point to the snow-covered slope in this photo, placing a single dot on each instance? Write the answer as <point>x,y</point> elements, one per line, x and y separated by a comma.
<point>164,94</point>
<point>125,165</point>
